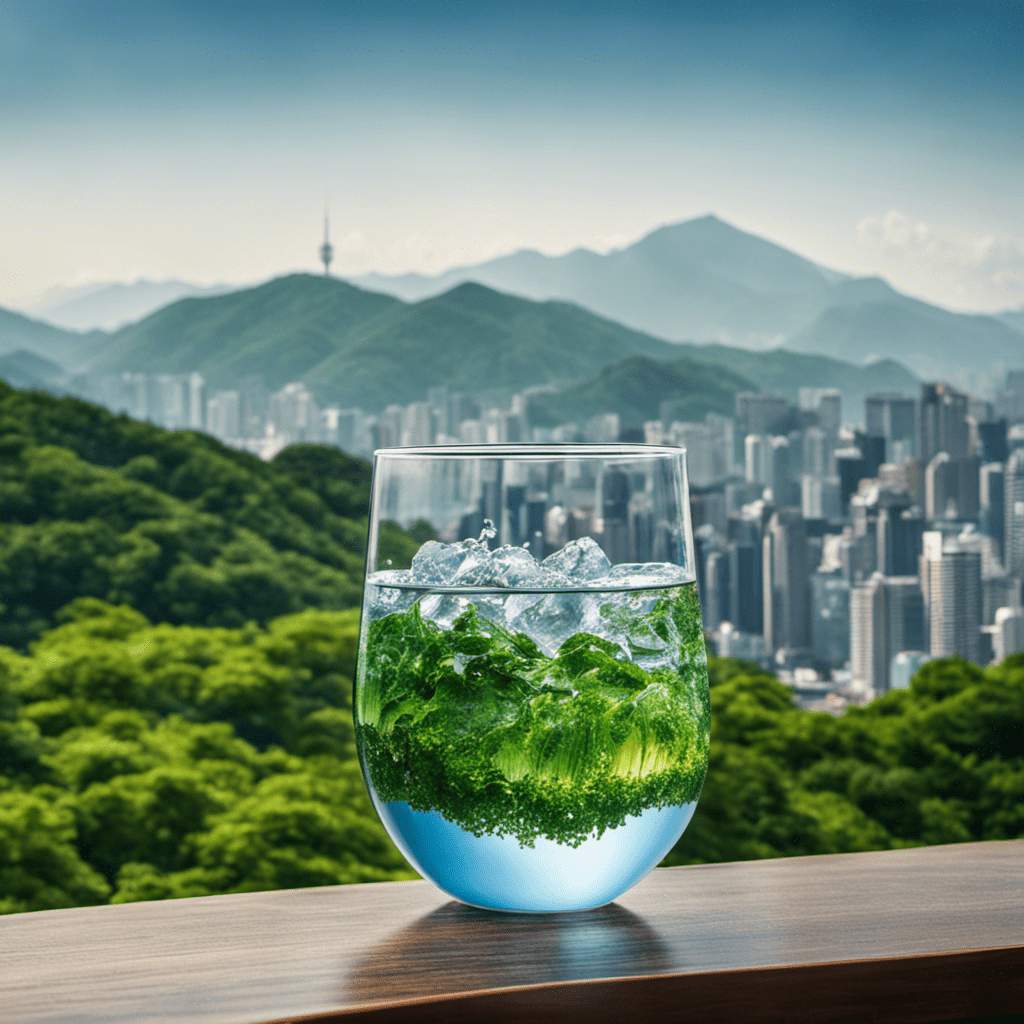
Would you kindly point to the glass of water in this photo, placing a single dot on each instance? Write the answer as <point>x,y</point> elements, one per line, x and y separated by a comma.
<point>531,698</point>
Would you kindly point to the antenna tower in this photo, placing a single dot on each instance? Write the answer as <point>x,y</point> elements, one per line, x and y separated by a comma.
<point>327,250</point>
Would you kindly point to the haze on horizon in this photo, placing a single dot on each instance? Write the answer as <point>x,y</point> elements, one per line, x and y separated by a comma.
<point>177,140</point>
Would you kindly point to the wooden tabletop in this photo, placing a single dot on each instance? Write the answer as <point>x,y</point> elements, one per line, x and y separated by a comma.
<point>913,935</point>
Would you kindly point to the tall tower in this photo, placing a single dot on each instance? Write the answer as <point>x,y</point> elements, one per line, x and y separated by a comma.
<point>326,250</point>
<point>1013,530</point>
<point>953,571</point>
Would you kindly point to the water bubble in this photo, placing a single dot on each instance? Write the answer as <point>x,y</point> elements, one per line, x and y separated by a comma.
<point>488,532</point>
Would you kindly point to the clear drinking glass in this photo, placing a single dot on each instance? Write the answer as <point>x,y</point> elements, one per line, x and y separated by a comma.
<point>531,697</point>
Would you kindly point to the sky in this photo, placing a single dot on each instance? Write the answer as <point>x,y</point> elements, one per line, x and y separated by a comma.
<point>201,141</point>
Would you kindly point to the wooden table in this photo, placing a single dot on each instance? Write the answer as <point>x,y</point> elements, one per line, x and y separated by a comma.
<point>912,935</point>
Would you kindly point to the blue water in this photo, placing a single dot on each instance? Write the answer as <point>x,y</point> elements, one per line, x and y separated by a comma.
<point>500,874</point>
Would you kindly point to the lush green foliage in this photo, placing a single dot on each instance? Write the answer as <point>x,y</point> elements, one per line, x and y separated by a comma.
<point>784,372</point>
<point>698,379</point>
<point>636,388</point>
<point>175,719</point>
<point>360,348</point>
<point>143,761</point>
<point>942,762</point>
<point>173,524</point>
<point>480,725</point>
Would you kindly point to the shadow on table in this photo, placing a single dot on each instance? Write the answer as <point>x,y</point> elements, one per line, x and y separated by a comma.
<point>458,948</point>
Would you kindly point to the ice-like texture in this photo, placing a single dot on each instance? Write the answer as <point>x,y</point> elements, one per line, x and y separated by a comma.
<point>438,564</point>
<point>507,567</point>
<point>582,561</point>
<point>581,564</point>
<point>555,617</point>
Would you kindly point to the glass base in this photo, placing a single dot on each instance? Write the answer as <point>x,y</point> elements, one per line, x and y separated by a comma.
<point>498,873</point>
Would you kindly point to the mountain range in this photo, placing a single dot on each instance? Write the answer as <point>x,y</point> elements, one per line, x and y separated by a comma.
<point>697,280</point>
<point>362,348</point>
<point>70,350</point>
<point>699,379</point>
<point>110,305</point>
<point>359,348</point>
<point>705,280</point>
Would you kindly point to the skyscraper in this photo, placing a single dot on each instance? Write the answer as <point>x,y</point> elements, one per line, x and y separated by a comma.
<point>760,412</point>
<point>867,634</point>
<point>992,498</point>
<point>830,617</point>
<point>746,595</point>
<point>892,417</point>
<point>952,574</point>
<point>786,583</point>
<point>1013,533</point>
<point>942,423</point>
<point>900,530</point>
<point>886,617</point>
<point>1008,635</point>
<point>826,404</point>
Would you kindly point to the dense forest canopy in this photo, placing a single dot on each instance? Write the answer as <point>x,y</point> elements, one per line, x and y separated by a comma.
<point>179,629</point>
<point>175,524</point>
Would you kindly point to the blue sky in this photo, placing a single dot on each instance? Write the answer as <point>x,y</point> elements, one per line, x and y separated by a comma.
<point>199,141</point>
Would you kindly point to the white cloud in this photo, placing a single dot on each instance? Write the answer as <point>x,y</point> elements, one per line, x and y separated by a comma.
<point>981,273</point>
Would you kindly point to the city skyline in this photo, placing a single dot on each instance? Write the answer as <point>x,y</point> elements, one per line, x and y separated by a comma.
<point>159,143</point>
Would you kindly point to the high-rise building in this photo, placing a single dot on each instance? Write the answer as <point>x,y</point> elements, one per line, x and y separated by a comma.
<point>716,598</point>
<point>899,531</point>
<point>867,635</point>
<point>830,618</point>
<point>784,491</point>
<point>295,414</point>
<point>905,625</point>
<point>1013,531</point>
<point>992,440</point>
<point>998,591</point>
<point>872,451</point>
<point>746,595</point>
<point>760,413</point>
<point>1010,402</point>
<point>951,487</point>
<point>942,423</point>
<point>707,455</point>
<point>886,617</point>
<point>992,501</point>
<point>819,497</point>
<point>892,417</point>
<point>1008,635</point>
<point>939,490</point>
<point>826,404</point>
<point>223,415</point>
<point>757,458</point>
<point>417,424</point>
<point>819,453</point>
<point>440,402</point>
<point>951,571</point>
<point>786,583</point>
<point>196,400</point>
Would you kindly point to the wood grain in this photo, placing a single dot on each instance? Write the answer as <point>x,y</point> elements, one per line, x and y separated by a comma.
<point>912,935</point>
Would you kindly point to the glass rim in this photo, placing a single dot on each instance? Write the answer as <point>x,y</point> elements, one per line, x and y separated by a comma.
<point>574,451</point>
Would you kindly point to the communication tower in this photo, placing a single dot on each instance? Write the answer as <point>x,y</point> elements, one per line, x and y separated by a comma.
<point>326,250</point>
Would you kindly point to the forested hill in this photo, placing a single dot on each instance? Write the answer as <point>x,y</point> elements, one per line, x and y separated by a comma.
<point>174,524</point>
<point>175,689</point>
<point>360,348</point>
